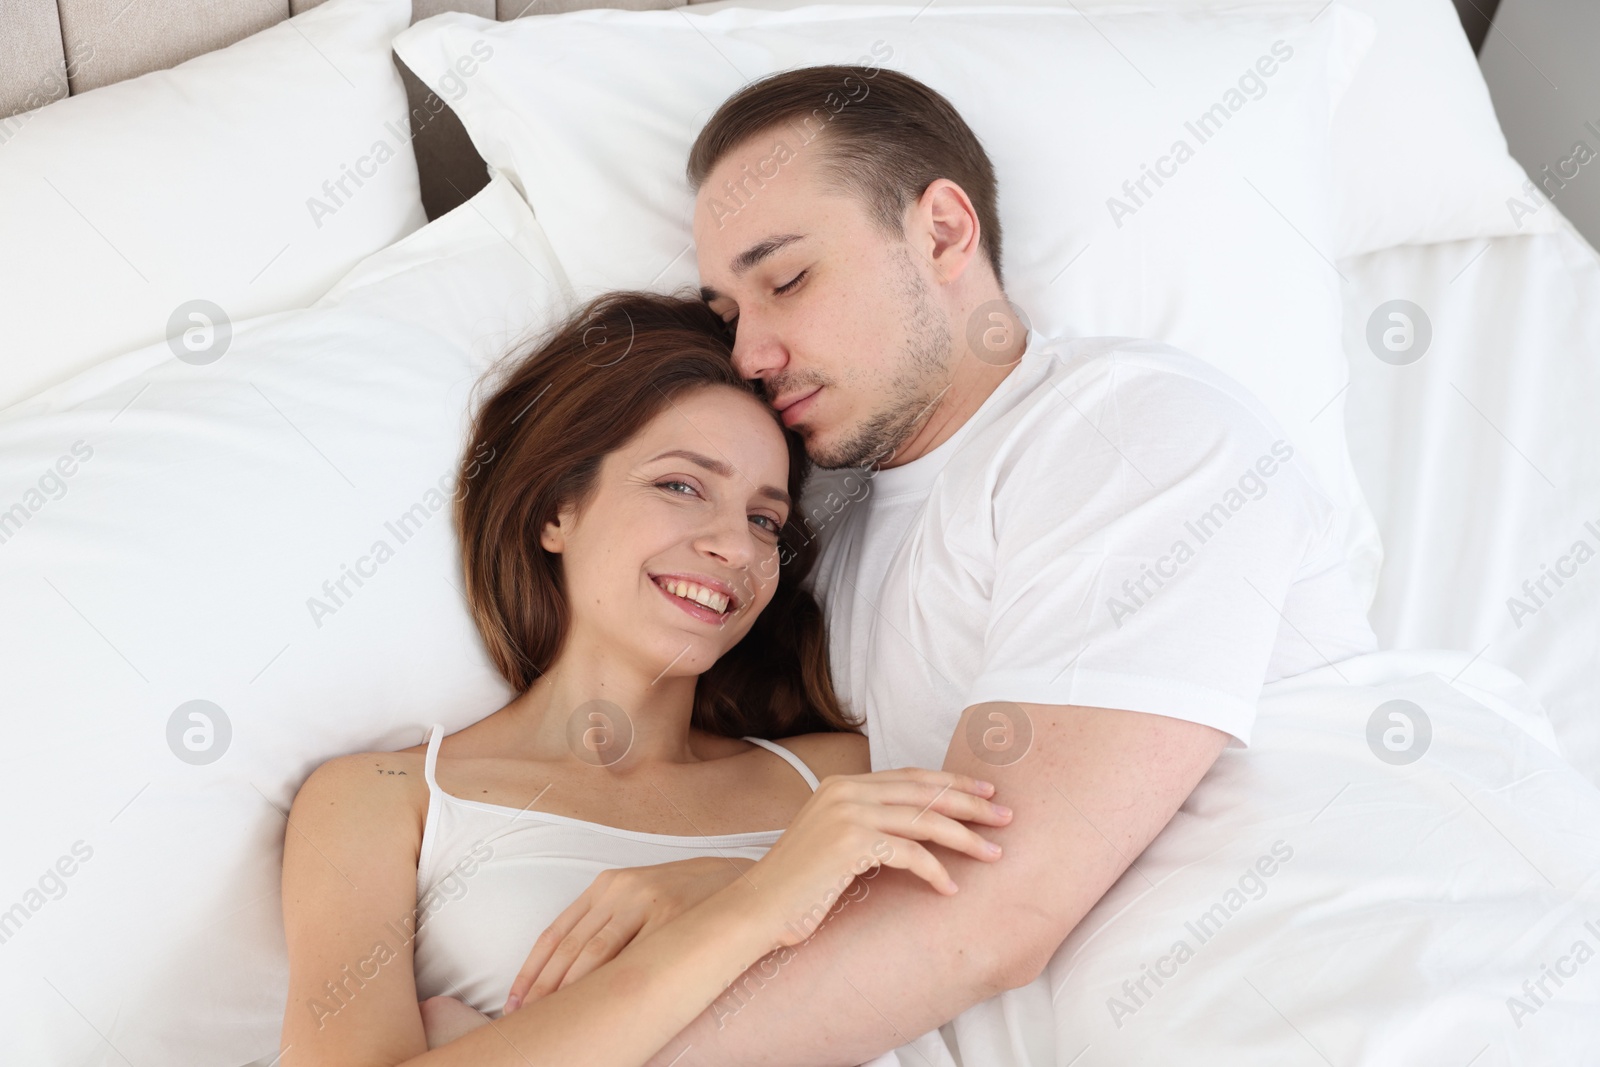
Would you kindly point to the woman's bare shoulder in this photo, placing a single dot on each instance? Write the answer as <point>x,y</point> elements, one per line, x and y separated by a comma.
<point>831,753</point>
<point>406,761</point>
<point>369,785</point>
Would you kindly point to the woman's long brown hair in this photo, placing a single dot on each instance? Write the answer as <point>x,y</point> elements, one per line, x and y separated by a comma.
<point>536,445</point>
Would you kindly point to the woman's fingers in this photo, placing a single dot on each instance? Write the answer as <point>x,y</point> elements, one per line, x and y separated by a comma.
<point>616,909</point>
<point>914,804</point>
<point>954,802</point>
<point>855,822</point>
<point>567,952</point>
<point>940,829</point>
<point>902,829</point>
<point>601,946</point>
<point>958,796</point>
<point>545,947</point>
<point>921,809</point>
<point>966,783</point>
<point>912,857</point>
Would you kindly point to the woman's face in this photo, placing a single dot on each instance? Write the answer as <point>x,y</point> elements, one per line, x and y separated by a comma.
<point>676,551</point>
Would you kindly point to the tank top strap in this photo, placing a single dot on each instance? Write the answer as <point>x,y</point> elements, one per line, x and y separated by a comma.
<point>788,757</point>
<point>430,825</point>
<point>432,759</point>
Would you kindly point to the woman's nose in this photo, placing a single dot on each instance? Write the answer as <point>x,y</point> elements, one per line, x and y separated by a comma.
<point>728,538</point>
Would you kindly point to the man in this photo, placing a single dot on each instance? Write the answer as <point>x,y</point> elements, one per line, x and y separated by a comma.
<point>1072,566</point>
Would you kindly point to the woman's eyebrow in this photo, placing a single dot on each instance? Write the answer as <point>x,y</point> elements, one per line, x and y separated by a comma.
<point>716,466</point>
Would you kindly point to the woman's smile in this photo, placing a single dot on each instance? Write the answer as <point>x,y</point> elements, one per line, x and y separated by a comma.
<point>704,599</point>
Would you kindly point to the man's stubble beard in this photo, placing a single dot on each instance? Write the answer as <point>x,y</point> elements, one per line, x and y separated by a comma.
<point>920,379</point>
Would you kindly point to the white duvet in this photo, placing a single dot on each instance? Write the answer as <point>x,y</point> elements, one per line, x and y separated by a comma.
<point>1482,461</point>
<point>1314,903</point>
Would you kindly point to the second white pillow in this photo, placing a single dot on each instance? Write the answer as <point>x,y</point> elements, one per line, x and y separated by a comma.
<point>244,181</point>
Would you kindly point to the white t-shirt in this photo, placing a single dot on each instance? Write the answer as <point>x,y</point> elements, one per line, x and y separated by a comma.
<point>1120,525</point>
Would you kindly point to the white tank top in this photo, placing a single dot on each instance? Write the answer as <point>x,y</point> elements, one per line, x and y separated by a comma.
<point>490,878</point>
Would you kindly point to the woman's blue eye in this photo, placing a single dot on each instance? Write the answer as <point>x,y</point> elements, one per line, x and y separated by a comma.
<point>665,484</point>
<point>773,525</point>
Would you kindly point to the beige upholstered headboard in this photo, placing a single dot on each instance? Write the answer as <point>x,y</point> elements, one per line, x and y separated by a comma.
<point>53,48</point>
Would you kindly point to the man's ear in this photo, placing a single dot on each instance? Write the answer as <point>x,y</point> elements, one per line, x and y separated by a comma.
<point>952,227</point>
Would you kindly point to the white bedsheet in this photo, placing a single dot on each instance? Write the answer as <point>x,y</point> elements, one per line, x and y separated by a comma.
<point>1482,460</point>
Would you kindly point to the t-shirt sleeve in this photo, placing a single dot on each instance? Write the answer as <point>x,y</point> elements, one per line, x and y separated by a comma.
<point>1145,539</point>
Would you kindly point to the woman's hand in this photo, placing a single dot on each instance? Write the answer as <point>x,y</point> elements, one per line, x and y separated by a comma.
<point>856,822</point>
<point>619,905</point>
<point>445,1018</point>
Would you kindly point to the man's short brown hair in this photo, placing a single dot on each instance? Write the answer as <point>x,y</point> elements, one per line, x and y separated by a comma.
<point>885,138</point>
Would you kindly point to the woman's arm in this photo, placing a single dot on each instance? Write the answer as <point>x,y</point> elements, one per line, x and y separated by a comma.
<point>353,863</point>
<point>349,907</point>
<point>349,892</point>
<point>625,1010</point>
<point>628,902</point>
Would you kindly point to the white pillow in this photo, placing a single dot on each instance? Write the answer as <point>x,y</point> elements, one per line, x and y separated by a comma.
<point>121,207</point>
<point>1231,259</point>
<point>182,520</point>
<point>1418,153</point>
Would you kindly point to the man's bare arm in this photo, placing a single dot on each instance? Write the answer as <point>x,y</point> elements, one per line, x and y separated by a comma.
<point>1092,790</point>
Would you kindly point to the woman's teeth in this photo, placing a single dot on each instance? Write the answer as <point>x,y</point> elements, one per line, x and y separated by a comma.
<point>708,598</point>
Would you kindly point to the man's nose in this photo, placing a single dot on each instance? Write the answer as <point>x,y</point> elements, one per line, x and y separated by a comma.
<point>757,351</point>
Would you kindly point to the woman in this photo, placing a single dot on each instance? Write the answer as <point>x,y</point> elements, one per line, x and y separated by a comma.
<point>633,556</point>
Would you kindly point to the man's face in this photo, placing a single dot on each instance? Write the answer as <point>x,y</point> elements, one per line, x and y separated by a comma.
<point>843,324</point>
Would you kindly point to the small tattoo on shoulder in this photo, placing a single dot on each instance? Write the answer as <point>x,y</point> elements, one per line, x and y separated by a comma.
<point>383,771</point>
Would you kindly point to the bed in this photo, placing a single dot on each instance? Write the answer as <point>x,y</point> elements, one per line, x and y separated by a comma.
<point>1509,311</point>
<point>168,503</point>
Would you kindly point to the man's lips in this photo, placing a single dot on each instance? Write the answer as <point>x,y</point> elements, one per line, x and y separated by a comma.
<point>793,408</point>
